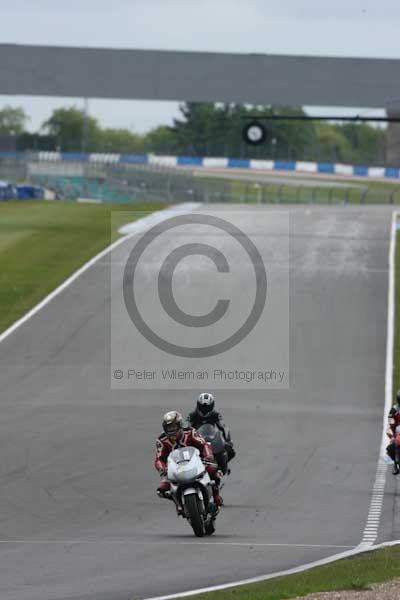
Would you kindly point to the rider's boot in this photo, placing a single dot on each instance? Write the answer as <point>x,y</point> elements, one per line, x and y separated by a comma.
<point>218,499</point>
<point>179,510</point>
<point>395,469</point>
<point>212,508</point>
<point>164,489</point>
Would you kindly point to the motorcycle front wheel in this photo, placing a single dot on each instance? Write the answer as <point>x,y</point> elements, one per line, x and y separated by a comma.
<point>192,505</point>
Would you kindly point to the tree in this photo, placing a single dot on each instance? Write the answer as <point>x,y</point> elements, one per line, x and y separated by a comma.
<point>293,138</point>
<point>216,129</point>
<point>161,140</point>
<point>121,141</point>
<point>12,120</point>
<point>205,129</point>
<point>366,141</point>
<point>195,132</point>
<point>332,144</point>
<point>73,130</point>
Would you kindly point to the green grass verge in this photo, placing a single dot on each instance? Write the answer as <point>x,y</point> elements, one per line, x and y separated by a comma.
<point>42,243</point>
<point>356,573</point>
<point>299,192</point>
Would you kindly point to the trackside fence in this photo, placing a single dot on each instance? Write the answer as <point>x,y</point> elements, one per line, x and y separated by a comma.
<point>135,182</point>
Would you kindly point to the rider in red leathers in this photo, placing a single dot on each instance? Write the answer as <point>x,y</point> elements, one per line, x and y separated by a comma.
<point>393,423</point>
<point>177,436</point>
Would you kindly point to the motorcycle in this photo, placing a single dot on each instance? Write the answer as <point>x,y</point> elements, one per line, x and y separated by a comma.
<point>191,488</point>
<point>397,448</point>
<point>393,450</point>
<point>213,435</point>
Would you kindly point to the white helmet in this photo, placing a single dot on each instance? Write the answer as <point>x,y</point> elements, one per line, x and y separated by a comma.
<point>205,403</point>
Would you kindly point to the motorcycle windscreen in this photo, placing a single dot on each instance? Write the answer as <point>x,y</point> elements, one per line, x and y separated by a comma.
<point>212,434</point>
<point>182,455</point>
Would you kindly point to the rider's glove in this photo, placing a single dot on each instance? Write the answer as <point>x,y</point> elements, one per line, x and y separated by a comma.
<point>389,433</point>
<point>211,468</point>
<point>162,472</point>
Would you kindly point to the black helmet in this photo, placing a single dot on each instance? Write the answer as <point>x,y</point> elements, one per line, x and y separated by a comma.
<point>205,403</point>
<point>398,397</point>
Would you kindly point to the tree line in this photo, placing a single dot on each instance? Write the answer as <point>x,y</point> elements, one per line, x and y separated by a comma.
<point>203,129</point>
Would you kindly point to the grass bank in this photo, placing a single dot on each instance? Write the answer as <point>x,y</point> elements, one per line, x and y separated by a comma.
<point>42,243</point>
<point>301,191</point>
<point>356,573</point>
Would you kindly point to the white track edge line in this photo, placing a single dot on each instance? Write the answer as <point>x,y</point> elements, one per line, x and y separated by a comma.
<point>140,226</point>
<point>371,529</point>
<point>376,504</point>
<point>360,549</point>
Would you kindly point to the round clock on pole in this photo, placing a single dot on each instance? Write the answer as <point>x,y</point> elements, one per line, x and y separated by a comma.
<point>254,133</point>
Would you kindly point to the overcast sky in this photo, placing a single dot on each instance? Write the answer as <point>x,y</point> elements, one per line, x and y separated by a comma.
<point>362,28</point>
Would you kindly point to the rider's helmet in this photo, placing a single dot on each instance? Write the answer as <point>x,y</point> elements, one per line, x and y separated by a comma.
<point>205,403</point>
<point>398,397</point>
<point>173,424</point>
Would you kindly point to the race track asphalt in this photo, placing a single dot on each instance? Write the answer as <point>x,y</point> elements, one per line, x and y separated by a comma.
<point>296,178</point>
<point>78,514</point>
